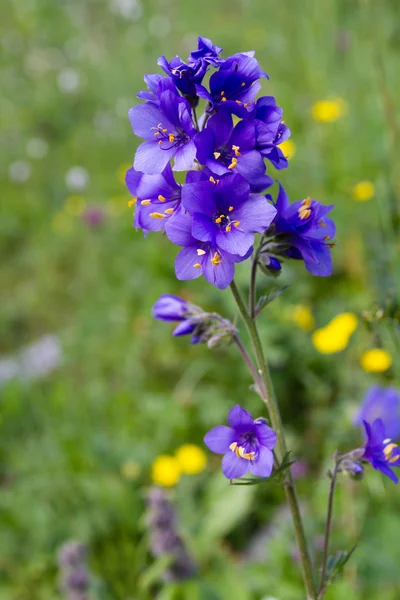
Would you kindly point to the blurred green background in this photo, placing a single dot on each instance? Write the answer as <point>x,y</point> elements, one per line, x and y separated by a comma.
<point>77,443</point>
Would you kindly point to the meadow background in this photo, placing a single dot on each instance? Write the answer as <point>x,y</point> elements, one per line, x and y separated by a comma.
<point>77,442</point>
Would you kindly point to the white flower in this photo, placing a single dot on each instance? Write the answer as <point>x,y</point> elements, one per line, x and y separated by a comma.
<point>77,178</point>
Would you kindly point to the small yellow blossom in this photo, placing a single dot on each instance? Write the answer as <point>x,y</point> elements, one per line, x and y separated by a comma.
<point>61,223</point>
<point>335,336</point>
<point>166,470</point>
<point>375,360</point>
<point>130,470</point>
<point>75,205</point>
<point>192,458</point>
<point>328,111</point>
<point>303,317</point>
<point>288,148</point>
<point>121,172</point>
<point>363,191</point>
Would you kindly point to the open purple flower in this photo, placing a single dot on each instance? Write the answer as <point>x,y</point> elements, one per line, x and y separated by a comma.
<point>304,232</point>
<point>380,451</point>
<point>158,198</point>
<point>172,308</point>
<point>381,403</point>
<point>225,214</point>
<point>270,131</point>
<point>223,147</point>
<point>235,85</point>
<point>247,445</point>
<point>168,130</point>
<point>186,75</point>
<point>198,257</point>
<point>157,84</point>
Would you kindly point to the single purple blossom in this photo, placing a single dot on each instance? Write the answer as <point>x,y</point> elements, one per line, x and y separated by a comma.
<point>223,147</point>
<point>200,258</point>
<point>225,214</point>
<point>93,216</point>
<point>184,75</point>
<point>381,403</point>
<point>157,84</point>
<point>168,130</point>
<point>270,131</point>
<point>235,85</point>
<point>380,451</point>
<point>304,232</point>
<point>172,308</point>
<point>247,445</point>
<point>158,198</point>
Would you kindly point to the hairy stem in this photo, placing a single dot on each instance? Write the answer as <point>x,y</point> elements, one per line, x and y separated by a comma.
<point>276,423</point>
<point>328,526</point>
<point>259,382</point>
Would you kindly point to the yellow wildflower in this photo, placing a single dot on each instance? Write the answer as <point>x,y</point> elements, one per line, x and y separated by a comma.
<point>364,190</point>
<point>335,336</point>
<point>303,317</point>
<point>328,111</point>
<point>288,148</point>
<point>121,172</point>
<point>75,205</point>
<point>191,458</point>
<point>130,470</point>
<point>166,470</point>
<point>375,360</point>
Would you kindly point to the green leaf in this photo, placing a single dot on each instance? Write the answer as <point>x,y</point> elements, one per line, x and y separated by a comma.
<point>336,564</point>
<point>269,297</point>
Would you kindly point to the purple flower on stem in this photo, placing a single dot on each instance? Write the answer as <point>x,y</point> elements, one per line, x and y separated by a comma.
<point>173,308</point>
<point>168,130</point>
<point>305,232</point>
<point>381,403</point>
<point>225,214</point>
<point>234,86</point>
<point>157,84</point>
<point>223,147</point>
<point>185,76</point>
<point>380,451</point>
<point>270,131</point>
<point>158,198</point>
<point>247,445</point>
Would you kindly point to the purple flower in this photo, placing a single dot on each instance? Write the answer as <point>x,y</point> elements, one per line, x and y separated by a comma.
<point>270,131</point>
<point>93,216</point>
<point>157,84</point>
<point>173,308</point>
<point>234,86</point>
<point>158,198</point>
<point>380,451</point>
<point>168,130</point>
<point>302,231</point>
<point>225,214</point>
<point>247,445</point>
<point>223,147</point>
<point>381,403</point>
<point>185,76</point>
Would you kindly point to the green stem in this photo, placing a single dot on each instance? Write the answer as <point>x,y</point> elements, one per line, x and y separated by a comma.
<point>276,423</point>
<point>259,383</point>
<point>196,122</point>
<point>328,526</point>
<point>252,291</point>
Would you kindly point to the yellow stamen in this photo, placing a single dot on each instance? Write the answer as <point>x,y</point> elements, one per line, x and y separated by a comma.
<point>145,202</point>
<point>219,219</point>
<point>216,156</point>
<point>200,252</point>
<point>214,180</point>
<point>236,223</point>
<point>156,133</point>
<point>304,213</point>
<point>239,451</point>
<point>389,450</point>
<point>222,93</point>
<point>246,104</point>
<point>216,259</point>
<point>243,83</point>
<point>233,164</point>
<point>321,224</point>
<point>159,142</point>
<point>171,137</point>
<point>228,228</point>
<point>165,130</point>
<point>307,202</point>
<point>197,266</point>
<point>223,99</point>
<point>157,215</point>
<point>233,446</point>
<point>238,102</point>
<point>161,198</point>
<point>236,150</point>
<point>169,211</point>
<point>132,202</point>
<point>230,208</point>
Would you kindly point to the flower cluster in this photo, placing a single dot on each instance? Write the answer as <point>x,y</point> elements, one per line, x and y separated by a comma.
<point>74,574</point>
<point>214,215</point>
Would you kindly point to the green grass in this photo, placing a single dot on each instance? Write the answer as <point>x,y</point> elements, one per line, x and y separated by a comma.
<point>126,390</point>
